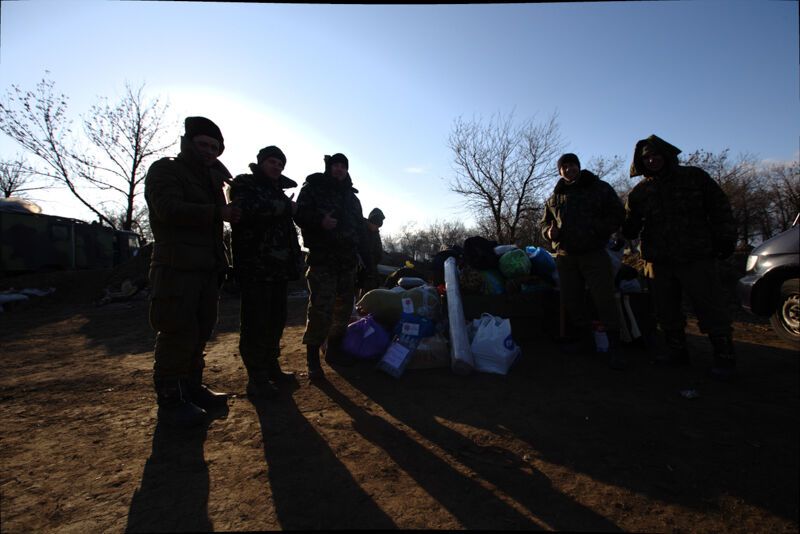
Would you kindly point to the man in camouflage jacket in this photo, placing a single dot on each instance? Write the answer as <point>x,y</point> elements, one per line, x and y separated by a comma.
<point>368,277</point>
<point>330,218</point>
<point>266,256</point>
<point>187,209</point>
<point>685,223</point>
<point>579,219</point>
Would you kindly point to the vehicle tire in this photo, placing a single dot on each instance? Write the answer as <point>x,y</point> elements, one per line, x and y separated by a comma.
<point>786,319</point>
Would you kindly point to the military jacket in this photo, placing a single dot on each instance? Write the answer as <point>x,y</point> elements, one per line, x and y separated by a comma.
<point>586,213</point>
<point>184,199</point>
<point>681,214</point>
<point>264,241</point>
<point>339,247</point>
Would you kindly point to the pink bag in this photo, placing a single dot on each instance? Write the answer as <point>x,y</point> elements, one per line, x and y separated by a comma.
<point>366,339</point>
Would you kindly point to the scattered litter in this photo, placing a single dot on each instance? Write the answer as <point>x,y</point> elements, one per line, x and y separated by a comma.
<point>17,295</point>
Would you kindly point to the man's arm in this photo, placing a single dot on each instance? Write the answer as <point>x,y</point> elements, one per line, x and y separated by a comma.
<point>165,197</point>
<point>255,208</point>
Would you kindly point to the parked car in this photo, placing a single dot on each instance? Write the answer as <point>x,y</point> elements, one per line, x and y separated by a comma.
<point>771,285</point>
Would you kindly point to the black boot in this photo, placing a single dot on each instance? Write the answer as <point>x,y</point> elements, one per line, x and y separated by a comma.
<point>724,367</point>
<point>315,371</point>
<point>277,375</point>
<point>174,407</point>
<point>261,388</point>
<point>212,402</point>
<point>675,353</point>
<point>334,354</point>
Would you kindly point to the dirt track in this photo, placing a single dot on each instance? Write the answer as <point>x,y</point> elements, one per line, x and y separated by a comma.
<point>561,443</point>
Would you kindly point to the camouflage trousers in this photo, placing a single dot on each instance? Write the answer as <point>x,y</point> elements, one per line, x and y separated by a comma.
<point>183,312</point>
<point>701,282</point>
<point>330,302</point>
<point>263,318</point>
<point>576,272</point>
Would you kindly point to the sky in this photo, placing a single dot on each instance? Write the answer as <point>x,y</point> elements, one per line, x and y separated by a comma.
<point>384,84</point>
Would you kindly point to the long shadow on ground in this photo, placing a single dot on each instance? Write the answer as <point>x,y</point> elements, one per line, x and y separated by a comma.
<point>475,506</point>
<point>311,488</point>
<point>629,429</point>
<point>173,493</point>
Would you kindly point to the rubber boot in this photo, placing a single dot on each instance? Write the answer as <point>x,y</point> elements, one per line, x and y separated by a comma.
<point>315,371</point>
<point>724,367</point>
<point>277,375</point>
<point>675,353</point>
<point>201,395</point>
<point>174,407</point>
<point>334,354</point>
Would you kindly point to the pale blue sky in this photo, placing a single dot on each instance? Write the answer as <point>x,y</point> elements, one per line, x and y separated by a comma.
<point>383,84</point>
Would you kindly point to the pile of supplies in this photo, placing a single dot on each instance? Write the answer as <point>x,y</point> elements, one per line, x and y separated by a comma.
<point>408,327</point>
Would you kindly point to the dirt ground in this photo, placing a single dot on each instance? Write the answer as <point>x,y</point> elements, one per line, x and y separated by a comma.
<point>561,443</point>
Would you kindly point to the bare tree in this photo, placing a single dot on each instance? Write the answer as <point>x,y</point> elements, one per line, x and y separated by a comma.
<point>503,170</point>
<point>743,184</point>
<point>127,134</point>
<point>784,192</point>
<point>614,171</point>
<point>421,244</point>
<point>16,178</point>
<point>123,136</point>
<point>37,121</point>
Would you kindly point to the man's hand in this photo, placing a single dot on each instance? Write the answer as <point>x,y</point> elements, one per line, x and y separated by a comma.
<point>328,222</point>
<point>553,232</point>
<point>231,213</point>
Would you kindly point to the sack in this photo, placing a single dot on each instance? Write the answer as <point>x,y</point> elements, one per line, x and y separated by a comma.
<point>386,305</point>
<point>542,262</point>
<point>515,263</point>
<point>366,339</point>
<point>409,282</point>
<point>493,348</point>
<point>479,253</point>
<point>493,282</point>
<point>432,352</point>
<point>502,249</point>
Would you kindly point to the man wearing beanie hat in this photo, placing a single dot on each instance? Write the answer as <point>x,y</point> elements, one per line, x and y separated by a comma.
<point>579,218</point>
<point>368,278</point>
<point>266,255</point>
<point>330,218</point>
<point>686,225</point>
<point>187,208</point>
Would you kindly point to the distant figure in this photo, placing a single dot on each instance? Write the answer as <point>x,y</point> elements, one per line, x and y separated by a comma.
<point>187,209</point>
<point>579,218</point>
<point>686,224</point>
<point>368,277</point>
<point>330,217</point>
<point>266,255</point>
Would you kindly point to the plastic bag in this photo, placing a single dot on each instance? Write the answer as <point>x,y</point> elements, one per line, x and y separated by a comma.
<point>515,263</point>
<point>366,339</point>
<point>493,348</point>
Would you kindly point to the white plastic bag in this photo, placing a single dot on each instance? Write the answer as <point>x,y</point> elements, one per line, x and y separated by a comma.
<point>493,348</point>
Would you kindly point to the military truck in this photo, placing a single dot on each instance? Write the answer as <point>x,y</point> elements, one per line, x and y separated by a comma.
<point>34,242</point>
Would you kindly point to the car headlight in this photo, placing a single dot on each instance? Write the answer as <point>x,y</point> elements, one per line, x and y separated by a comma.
<point>752,260</point>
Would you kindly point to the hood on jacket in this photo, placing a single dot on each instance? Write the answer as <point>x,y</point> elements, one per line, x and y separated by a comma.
<point>284,182</point>
<point>670,153</point>
<point>584,179</point>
